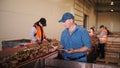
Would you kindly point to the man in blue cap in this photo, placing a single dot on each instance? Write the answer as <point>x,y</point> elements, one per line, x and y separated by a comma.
<point>74,39</point>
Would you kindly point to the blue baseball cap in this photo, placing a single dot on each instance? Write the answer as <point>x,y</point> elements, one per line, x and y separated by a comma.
<point>66,16</point>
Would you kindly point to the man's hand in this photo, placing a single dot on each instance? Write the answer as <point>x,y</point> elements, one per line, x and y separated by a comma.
<point>54,48</point>
<point>70,51</point>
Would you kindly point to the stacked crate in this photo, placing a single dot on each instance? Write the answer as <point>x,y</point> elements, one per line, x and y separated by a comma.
<point>112,49</point>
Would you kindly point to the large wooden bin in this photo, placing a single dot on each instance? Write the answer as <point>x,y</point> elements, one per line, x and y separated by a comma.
<point>27,56</point>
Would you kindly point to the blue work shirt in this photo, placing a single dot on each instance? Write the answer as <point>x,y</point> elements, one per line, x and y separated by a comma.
<point>77,39</point>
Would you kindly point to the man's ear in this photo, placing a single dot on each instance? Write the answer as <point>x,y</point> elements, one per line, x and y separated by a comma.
<point>70,20</point>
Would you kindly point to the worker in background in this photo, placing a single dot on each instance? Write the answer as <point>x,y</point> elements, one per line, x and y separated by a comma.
<point>74,39</point>
<point>37,34</point>
<point>92,54</point>
<point>108,32</point>
<point>102,41</point>
<point>92,31</point>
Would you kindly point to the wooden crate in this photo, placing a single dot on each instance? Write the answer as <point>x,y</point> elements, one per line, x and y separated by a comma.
<point>111,57</point>
<point>112,53</point>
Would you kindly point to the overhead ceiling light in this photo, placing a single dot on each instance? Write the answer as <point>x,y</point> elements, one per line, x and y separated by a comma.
<point>111,10</point>
<point>112,3</point>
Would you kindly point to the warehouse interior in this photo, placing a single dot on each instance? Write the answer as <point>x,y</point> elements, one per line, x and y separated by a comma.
<point>18,16</point>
